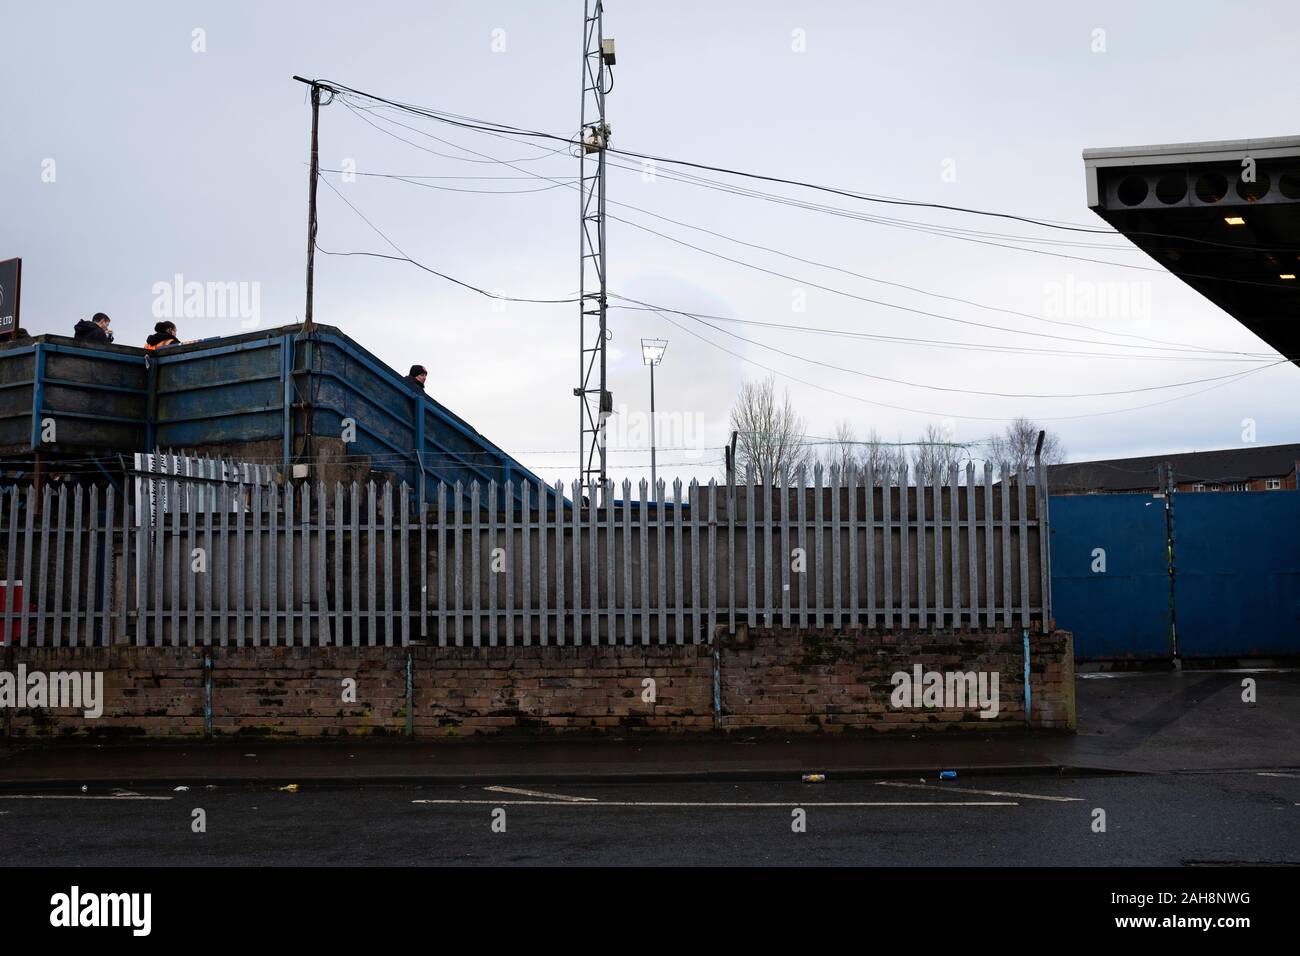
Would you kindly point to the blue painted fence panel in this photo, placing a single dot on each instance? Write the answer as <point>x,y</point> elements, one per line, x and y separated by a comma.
<point>1122,611</point>
<point>1237,586</point>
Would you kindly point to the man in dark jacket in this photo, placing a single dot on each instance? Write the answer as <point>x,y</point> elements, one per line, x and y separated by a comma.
<point>416,377</point>
<point>93,330</point>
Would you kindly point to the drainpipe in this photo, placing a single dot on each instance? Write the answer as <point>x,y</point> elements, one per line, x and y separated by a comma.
<point>731,534</point>
<point>1025,637</point>
<point>410,697</point>
<point>207,696</point>
<point>717,683</point>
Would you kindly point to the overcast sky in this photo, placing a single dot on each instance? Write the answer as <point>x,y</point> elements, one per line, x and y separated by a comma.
<point>136,149</point>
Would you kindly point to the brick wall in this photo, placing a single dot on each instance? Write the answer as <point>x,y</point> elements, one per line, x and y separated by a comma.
<point>810,680</point>
<point>832,681</point>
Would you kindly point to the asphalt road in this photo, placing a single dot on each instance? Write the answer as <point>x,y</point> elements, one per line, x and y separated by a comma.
<point>1167,819</point>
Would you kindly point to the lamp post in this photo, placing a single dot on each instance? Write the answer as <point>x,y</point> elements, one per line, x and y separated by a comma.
<point>652,353</point>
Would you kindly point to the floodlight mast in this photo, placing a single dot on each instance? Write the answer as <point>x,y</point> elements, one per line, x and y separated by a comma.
<point>595,404</point>
<point>652,353</point>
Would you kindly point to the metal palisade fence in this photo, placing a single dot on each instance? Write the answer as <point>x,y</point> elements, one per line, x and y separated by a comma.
<point>249,559</point>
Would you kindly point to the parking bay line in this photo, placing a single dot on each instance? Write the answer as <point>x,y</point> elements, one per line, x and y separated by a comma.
<point>541,793</point>
<point>987,793</point>
<point>731,804</point>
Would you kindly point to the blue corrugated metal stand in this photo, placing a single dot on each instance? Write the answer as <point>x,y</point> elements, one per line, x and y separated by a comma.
<point>282,394</point>
<point>95,395</point>
<point>307,390</point>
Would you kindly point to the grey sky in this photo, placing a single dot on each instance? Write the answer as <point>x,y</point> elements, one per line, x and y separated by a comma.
<point>170,161</point>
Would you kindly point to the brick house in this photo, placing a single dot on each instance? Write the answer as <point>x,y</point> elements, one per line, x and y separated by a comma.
<point>1249,468</point>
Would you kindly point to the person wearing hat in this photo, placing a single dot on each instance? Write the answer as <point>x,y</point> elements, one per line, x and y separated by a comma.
<point>164,334</point>
<point>416,377</point>
<point>94,330</point>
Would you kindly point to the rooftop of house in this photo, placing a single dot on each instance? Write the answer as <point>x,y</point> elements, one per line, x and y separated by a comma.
<point>1221,465</point>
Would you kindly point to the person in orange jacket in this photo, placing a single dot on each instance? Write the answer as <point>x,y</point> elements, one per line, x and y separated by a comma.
<point>164,334</point>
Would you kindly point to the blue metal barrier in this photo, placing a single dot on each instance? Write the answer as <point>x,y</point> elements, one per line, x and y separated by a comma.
<point>1110,574</point>
<point>1237,573</point>
<point>266,393</point>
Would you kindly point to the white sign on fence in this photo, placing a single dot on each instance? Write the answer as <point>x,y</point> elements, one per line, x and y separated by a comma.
<point>153,496</point>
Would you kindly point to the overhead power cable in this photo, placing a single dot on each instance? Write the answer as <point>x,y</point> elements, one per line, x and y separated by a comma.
<point>957,345</point>
<point>403,257</point>
<point>892,305</point>
<point>951,232</point>
<point>939,229</point>
<point>1166,345</point>
<point>944,388</point>
<point>1029,315</point>
<point>975,237</point>
<point>502,128</point>
<point>954,232</point>
<point>1219,382</point>
<point>940,414</point>
<point>481,192</point>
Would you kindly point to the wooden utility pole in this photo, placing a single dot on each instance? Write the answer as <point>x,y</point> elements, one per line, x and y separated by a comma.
<point>311,202</point>
<point>308,328</point>
<point>314,175</point>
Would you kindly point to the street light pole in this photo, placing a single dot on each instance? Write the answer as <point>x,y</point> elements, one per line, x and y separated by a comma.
<point>654,480</point>
<point>652,353</point>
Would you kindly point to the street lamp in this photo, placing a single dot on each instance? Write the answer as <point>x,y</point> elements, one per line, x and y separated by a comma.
<point>652,353</point>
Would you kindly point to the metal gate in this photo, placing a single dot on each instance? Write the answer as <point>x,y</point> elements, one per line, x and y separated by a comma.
<point>1237,573</point>
<point>1110,574</point>
<point>1218,576</point>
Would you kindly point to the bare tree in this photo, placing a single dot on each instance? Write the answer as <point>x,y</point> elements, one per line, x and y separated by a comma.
<point>934,456</point>
<point>1017,442</point>
<point>771,433</point>
<point>842,453</point>
<point>882,459</point>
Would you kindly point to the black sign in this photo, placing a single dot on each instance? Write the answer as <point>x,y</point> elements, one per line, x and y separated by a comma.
<point>11,276</point>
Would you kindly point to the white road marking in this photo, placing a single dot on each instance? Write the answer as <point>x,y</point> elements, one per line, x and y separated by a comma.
<point>1289,776</point>
<point>71,796</point>
<point>987,793</point>
<point>541,793</point>
<point>1106,675</point>
<point>736,803</point>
